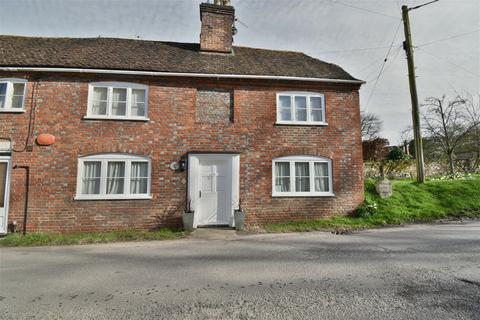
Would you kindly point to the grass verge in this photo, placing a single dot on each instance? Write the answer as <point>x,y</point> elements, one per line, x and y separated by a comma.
<point>53,239</point>
<point>411,202</point>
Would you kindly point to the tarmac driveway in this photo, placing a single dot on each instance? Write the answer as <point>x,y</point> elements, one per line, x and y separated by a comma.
<point>416,272</point>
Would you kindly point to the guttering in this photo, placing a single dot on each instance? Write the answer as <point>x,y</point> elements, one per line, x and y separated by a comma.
<point>176,74</point>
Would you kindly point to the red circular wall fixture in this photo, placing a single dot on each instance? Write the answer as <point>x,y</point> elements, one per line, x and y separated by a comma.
<point>45,139</point>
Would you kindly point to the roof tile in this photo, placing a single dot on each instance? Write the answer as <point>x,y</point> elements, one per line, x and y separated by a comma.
<point>143,55</point>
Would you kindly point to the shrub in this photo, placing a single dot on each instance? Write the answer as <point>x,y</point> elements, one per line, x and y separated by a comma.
<point>397,153</point>
<point>367,208</point>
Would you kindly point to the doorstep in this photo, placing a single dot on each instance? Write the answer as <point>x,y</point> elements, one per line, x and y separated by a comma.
<point>213,234</point>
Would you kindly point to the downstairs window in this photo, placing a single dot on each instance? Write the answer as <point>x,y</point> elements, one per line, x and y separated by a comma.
<point>302,176</point>
<point>113,176</point>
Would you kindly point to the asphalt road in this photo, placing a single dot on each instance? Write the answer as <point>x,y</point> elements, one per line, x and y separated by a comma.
<point>416,272</point>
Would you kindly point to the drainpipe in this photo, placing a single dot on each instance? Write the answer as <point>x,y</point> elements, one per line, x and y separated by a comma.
<point>27,185</point>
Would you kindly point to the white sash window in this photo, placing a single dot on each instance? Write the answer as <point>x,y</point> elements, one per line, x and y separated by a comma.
<point>113,176</point>
<point>117,100</point>
<point>301,108</point>
<point>297,176</point>
<point>12,95</point>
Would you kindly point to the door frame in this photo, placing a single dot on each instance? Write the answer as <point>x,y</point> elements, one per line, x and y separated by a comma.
<point>233,160</point>
<point>8,160</point>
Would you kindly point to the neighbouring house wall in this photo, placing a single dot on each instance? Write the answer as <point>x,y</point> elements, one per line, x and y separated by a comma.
<point>61,102</point>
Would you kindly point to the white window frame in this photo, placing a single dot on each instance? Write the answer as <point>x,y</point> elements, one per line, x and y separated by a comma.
<point>294,121</point>
<point>311,160</point>
<point>9,94</point>
<point>116,85</point>
<point>104,158</point>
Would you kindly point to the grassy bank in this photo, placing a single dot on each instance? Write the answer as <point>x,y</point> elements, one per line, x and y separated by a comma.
<point>410,202</point>
<point>51,239</point>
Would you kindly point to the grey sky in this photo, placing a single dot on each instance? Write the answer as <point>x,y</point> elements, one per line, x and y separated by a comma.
<point>325,29</point>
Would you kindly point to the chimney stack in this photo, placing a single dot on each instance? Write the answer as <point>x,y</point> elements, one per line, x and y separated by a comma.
<point>217,26</point>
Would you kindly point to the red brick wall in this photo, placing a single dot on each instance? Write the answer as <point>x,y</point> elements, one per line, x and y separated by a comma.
<point>61,102</point>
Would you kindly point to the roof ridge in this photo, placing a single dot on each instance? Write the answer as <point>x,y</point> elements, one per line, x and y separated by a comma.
<point>146,40</point>
<point>268,49</point>
<point>82,38</point>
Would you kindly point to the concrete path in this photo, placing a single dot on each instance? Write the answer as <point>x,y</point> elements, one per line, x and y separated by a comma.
<point>416,272</point>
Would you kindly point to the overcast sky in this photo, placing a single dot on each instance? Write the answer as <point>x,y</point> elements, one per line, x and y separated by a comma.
<point>355,34</point>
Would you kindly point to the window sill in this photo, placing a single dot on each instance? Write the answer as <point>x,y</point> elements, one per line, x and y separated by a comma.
<point>12,111</point>
<point>115,118</point>
<point>109,198</point>
<point>300,124</point>
<point>304,195</point>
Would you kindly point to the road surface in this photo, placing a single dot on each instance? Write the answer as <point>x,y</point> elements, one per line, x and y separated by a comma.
<point>415,272</point>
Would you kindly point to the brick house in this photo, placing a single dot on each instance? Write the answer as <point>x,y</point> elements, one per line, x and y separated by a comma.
<point>143,129</point>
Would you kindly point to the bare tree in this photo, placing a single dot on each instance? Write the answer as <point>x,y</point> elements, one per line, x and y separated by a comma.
<point>371,125</point>
<point>450,122</point>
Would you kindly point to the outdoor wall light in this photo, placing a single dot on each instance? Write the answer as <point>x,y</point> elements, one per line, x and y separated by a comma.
<point>178,165</point>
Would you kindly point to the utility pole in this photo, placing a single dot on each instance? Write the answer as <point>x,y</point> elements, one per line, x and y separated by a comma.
<point>417,134</point>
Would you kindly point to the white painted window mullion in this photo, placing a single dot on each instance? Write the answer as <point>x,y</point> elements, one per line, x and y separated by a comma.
<point>128,106</point>
<point>146,104</point>
<point>149,178</point>
<point>103,177</point>
<point>330,176</point>
<point>292,108</point>
<point>109,101</point>
<point>292,177</point>
<point>309,109</point>
<point>324,113</point>
<point>128,177</point>
<point>80,175</point>
<point>312,176</point>
<point>9,96</point>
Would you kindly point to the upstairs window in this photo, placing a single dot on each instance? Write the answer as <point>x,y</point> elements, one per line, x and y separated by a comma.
<point>301,108</point>
<point>302,176</point>
<point>113,176</point>
<point>117,100</point>
<point>12,95</point>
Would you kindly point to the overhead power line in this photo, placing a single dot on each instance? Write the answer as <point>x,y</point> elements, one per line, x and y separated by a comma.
<point>354,49</point>
<point>448,38</point>
<point>384,62</point>
<point>393,57</point>
<point>450,62</point>
<point>422,5</point>
<point>363,9</point>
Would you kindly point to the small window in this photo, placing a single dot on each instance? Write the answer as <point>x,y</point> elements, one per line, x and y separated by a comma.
<point>301,108</point>
<point>113,176</point>
<point>302,176</point>
<point>117,100</point>
<point>12,95</point>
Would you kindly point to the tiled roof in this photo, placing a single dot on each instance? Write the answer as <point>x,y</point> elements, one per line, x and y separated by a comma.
<point>142,55</point>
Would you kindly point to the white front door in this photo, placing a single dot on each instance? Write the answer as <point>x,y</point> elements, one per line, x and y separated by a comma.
<point>4,190</point>
<point>213,193</point>
<point>213,184</point>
